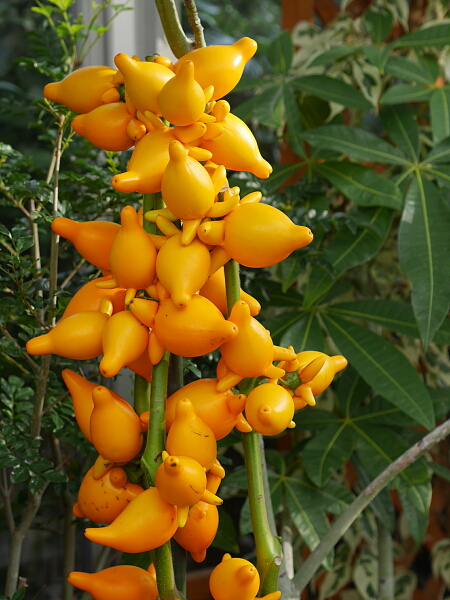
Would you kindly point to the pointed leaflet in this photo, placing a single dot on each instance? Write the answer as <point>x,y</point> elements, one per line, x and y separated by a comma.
<point>331,90</point>
<point>377,22</point>
<point>396,316</point>
<point>333,498</point>
<point>440,154</point>
<point>435,35</point>
<point>347,250</point>
<point>402,92</point>
<point>296,329</point>
<point>280,52</point>
<point>441,173</point>
<point>332,55</point>
<point>355,142</point>
<point>440,114</point>
<point>405,69</point>
<point>378,447</point>
<point>401,126</point>
<point>310,419</point>
<point>424,249</point>
<point>351,390</point>
<point>293,121</point>
<point>311,523</point>
<point>384,367</point>
<point>268,107</point>
<point>417,521</point>
<point>278,176</point>
<point>362,185</point>
<point>327,452</point>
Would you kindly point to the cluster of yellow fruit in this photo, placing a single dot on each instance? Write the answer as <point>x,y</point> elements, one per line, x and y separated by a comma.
<point>167,292</point>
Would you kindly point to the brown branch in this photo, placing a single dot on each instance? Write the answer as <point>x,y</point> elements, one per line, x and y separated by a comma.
<point>195,23</point>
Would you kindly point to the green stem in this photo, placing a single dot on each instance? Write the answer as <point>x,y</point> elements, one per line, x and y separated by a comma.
<point>167,589</point>
<point>179,43</point>
<point>179,556</point>
<point>141,394</point>
<point>151,202</point>
<point>233,285</point>
<point>385,563</point>
<point>268,547</point>
<point>151,459</point>
<point>351,513</point>
<point>195,23</point>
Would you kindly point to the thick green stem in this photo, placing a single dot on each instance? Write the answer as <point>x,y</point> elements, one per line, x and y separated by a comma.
<point>385,563</point>
<point>167,589</point>
<point>268,547</point>
<point>195,23</point>
<point>340,526</point>
<point>179,557</point>
<point>151,202</point>
<point>233,285</point>
<point>141,394</point>
<point>151,459</point>
<point>179,43</point>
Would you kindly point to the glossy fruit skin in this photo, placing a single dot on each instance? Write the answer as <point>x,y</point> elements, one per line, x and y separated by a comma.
<point>107,127</point>
<point>259,235</point>
<point>182,100</point>
<point>236,147</point>
<point>214,290</point>
<point>102,500</point>
<point>146,523</point>
<point>317,370</point>
<point>234,578</point>
<point>199,531</point>
<point>190,436</point>
<point>82,90</point>
<point>78,337</point>
<point>220,66</point>
<point>116,583</point>
<point>192,268</point>
<point>115,427</point>
<point>124,340</point>
<point>147,164</point>
<point>180,480</point>
<point>89,297</point>
<point>219,410</point>
<point>186,187</point>
<point>143,81</point>
<point>133,255</point>
<point>92,239</point>
<point>269,409</point>
<point>193,331</point>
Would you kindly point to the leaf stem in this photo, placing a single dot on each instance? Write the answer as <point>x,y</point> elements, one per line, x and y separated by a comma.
<point>179,43</point>
<point>195,23</point>
<point>340,526</point>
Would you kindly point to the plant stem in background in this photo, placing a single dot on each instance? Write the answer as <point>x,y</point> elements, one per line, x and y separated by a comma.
<point>179,43</point>
<point>385,563</point>
<point>195,23</point>
<point>340,526</point>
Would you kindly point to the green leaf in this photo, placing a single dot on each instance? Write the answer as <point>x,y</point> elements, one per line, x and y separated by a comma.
<point>377,22</point>
<point>401,126</point>
<point>311,523</point>
<point>280,52</point>
<point>430,65</point>
<point>384,367</point>
<point>365,574</point>
<point>440,470</point>
<point>36,484</point>
<point>250,83</point>
<point>331,90</point>
<point>19,594</point>
<point>332,55</point>
<point>268,290</point>
<point>424,247</point>
<point>347,250</point>
<point>310,419</point>
<point>351,390</point>
<point>280,325</point>
<point>304,334</point>
<point>55,476</point>
<point>434,35</point>
<point>278,176</point>
<point>382,504</point>
<point>340,574</point>
<point>327,452</point>
<point>441,173</point>
<point>293,121</point>
<point>140,559</point>
<point>290,268</point>
<point>335,497</point>
<point>362,185</point>
<point>355,142</point>
<point>378,447</point>
<point>440,114</point>
<point>377,56</point>
<point>417,521</point>
<point>440,154</point>
<point>268,107</point>
<point>225,538</point>
<point>405,69</point>
<point>402,92</point>
<point>19,473</point>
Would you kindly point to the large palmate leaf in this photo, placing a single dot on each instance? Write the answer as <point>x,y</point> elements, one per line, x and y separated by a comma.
<point>440,114</point>
<point>405,69</point>
<point>310,419</point>
<point>278,176</point>
<point>352,390</point>
<point>378,22</point>
<point>327,452</point>
<point>396,316</point>
<point>401,126</point>
<point>434,35</point>
<point>384,367</point>
<point>331,90</point>
<point>362,185</point>
<point>440,172</point>
<point>348,250</point>
<point>296,329</point>
<point>332,55</point>
<point>378,447</point>
<point>440,154</point>
<point>280,52</point>
<point>424,247</point>
<point>355,142</point>
<point>402,92</point>
<point>310,522</point>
